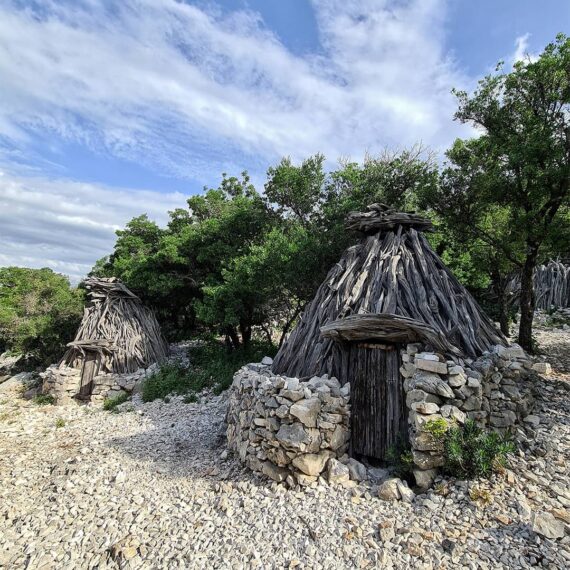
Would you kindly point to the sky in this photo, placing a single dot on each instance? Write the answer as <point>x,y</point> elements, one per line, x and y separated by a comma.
<point>110,109</point>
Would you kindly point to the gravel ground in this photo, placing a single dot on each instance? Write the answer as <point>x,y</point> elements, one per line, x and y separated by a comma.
<point>154,488</point>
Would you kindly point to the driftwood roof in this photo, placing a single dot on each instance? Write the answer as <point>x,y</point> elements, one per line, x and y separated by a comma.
<point>118,327</point>
<point>393,287</point>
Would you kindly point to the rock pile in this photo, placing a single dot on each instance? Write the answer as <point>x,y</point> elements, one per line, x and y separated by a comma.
<point>287,429</point>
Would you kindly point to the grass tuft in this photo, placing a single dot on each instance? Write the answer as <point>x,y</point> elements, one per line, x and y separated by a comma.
<point>110,404</point>
<point>44,400</point>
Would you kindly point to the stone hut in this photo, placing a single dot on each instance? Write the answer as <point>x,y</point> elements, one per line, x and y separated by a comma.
<point>391,341</point>
<point>118,339</point>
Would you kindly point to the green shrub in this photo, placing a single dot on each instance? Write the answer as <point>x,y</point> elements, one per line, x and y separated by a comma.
<point>190,398</point>
<point>212,366</point>
<point>44,400</point>
<point>471,452</point>
<point>437,428</point>
<point>111,403</point>
<point>59,423</point>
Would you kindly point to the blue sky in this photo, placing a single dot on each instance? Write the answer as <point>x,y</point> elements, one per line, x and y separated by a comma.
<point>109,109</point>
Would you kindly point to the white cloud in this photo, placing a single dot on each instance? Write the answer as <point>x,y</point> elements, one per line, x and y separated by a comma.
<point>175,85</point>
<point>68,225</point>
<point>522,50</point>
<point>191,92</point>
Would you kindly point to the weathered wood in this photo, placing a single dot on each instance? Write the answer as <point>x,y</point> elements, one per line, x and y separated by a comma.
<point>88,372</point>
<point>387,327</point>
<point>378,410</point>
<point>393,271</point>
<point>551,286</point>
<point>118,328</point>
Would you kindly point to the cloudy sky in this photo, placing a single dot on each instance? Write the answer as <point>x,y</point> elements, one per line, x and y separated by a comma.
<point>110,109</point>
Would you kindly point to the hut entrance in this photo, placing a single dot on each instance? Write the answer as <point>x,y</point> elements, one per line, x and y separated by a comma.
<point>378,404</point>
<point>88,372</point>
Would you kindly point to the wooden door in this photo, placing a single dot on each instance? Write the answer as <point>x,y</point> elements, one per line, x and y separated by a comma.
<point>378,404</point>
<point>88,372</point>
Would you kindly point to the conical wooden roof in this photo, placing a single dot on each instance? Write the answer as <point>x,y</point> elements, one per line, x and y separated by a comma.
<point>118,327</point>
<point>391,287</point>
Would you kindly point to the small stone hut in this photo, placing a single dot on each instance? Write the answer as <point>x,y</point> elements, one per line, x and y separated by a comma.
<point>390,341</point>
<point>118,339</point>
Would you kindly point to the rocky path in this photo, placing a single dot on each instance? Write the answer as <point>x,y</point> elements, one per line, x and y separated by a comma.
<point>153,488</point>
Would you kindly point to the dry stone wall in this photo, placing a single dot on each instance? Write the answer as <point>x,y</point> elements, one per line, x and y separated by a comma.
<point>63,383</point>
<point>486,390</point>
<point>287,429</point>
<point>296,431</point>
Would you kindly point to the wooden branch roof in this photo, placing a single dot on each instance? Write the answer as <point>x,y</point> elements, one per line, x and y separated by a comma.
<point>390,283</point>
<point>118,327</point>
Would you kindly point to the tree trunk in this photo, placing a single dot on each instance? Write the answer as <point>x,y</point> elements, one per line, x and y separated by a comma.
<point>234,337</point>
<point>527,299</point>
<point>245,330</point>
<point>500,289</point>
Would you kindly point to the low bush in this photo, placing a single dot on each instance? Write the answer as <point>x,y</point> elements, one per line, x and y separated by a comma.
<point>44,400</point>
<point>111,403</point>
<point>472,452</point>
<point>212,366</point>
<point>59,423</point>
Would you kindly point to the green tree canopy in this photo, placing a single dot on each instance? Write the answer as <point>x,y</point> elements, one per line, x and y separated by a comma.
<point>510,187</point>
<point>39,312</point>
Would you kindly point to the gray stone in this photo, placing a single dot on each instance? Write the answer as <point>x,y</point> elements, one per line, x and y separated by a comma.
<point>542,367</point>
<point>503,419</point>
<point>312,463</point>
<point>267,361</point>
<point>337,472</point>
<point>430,365</point>
<point>278,474</point>
<point>406,494</point>
<point>430,383</point>
<point>532,420</point>
<point>420,396</point>
<point>293,435</point>
<point>356,470</point>
<point>425,460</point>
<point>547,525</point>
<point>457,380</point>
<point>425,408</point>
<point>424,478</point>
<point>453,412</point>
<point>306,411</point>
<point>388,491</point>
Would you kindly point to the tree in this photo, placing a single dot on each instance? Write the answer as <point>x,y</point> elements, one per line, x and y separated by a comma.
<point>517,173</point>
<point>39,312</point>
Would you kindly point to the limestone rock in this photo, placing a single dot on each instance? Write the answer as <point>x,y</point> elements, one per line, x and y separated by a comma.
<point>312,463</point>
<point>306,411</point>
<point>292,435</point>
<point>356,470</point>
<point>548,525</point>
<point>430,365</point>
<point>430,383</point>
<point>424,478</point>
<point>542,367</point>
<point>389,491</point>
<point>337,472</point>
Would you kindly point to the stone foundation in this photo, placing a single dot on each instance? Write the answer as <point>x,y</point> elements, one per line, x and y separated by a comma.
<point>295,431</point>
<point>287,429</point>
<point>63,383</point>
